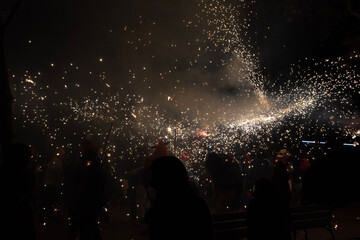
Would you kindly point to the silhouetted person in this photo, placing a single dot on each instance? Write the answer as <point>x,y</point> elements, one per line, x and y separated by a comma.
<point>88,199</point>
<point>178,212</point>
<point>17,186</point>
<point>227,182</point>
<point>69,167</point>
<point>261,168</point>
<point>159,151</point>
<point>280,181</point>
<point>52,182</point>
<point>136,192</point>
<point>301,166</point>
<point>261,214</point>
<point>281,178</point>
<point>331,181</point>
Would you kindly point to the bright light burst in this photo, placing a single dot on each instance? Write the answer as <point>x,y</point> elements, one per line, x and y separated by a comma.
<point>214,98</point>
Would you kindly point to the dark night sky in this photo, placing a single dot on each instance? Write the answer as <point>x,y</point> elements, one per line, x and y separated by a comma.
<point>79,31</point>
<point>62,32</point>
<point>82,32</point>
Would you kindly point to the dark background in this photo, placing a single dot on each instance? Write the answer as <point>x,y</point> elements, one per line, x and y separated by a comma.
<point>78,31</point>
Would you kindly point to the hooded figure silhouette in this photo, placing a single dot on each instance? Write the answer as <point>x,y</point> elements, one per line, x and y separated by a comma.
<point>178,212</point>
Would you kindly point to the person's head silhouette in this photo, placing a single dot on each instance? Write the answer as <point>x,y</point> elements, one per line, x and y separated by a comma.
<point>169,175</point>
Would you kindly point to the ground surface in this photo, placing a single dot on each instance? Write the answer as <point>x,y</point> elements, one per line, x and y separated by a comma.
<point>346,226</point>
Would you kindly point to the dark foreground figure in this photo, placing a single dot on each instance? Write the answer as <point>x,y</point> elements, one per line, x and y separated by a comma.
<point>226,179</point>
<point>87,198</point>
<point>269,211</point>
<point>17,189</point>
<point>177,212</point>
<point>267,217</point>
<point>261,213</point>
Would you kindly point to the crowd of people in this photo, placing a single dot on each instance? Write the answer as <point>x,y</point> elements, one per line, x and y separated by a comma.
<point>163,192</point>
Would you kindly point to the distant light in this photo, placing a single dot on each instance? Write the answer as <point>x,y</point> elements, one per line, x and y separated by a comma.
<point>100,59</point>
<point>51,64</point>
<point>349,145</point>
<point>312,142</point>
<point>308,142</point>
